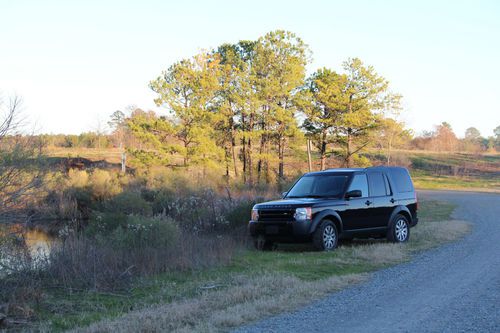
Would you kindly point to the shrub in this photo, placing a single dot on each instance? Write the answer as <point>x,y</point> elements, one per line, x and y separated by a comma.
<point>361,161</point>
<point>128,203</point>
<point>161,201</point>
<point>77,178</point>
<point>239,215</point>
<point>105,223</point>
<point>141,232</point>
<point>104,184</point>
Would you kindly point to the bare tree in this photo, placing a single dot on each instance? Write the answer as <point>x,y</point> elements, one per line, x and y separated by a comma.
<point>20,172</point>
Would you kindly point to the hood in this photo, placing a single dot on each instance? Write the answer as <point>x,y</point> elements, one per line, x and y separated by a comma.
<point>293,203</point>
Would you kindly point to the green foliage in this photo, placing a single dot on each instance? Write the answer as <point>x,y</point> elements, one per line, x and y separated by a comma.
<point>360,161</point>
<point>238,215</point>
<point>140,232</point>
<point>279,72</point>
<point>246,91</point>
<point>324,92</point>
<point>346,108</point>
<point>129,203</point>
<point>188,89</point>
<point>155,133</point>
<point>104,223</point>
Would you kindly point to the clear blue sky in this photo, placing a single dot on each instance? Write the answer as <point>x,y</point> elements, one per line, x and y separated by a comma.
<point>75,62</point>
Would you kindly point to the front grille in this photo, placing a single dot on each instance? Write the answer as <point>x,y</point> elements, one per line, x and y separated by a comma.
<point>276,215</point>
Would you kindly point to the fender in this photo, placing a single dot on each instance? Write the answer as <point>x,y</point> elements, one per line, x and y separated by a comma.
<point>321,215</point>
<point>397,210</point>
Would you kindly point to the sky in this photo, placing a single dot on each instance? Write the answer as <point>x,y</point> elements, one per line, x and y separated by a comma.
<point>75,62</point>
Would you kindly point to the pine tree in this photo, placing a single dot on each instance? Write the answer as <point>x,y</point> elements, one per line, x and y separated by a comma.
<point>278,72</point>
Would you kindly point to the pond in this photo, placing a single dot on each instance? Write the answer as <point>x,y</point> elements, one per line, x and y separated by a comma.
<point>36,241</point>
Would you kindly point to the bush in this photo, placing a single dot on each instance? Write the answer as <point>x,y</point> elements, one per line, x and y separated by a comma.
<point>361,161</point>
<point>128,203</point>
<point>239,215</point>
<point>77,178</point>
<point>104,184</point>
<point>141,232</point>
<point>105,223</point>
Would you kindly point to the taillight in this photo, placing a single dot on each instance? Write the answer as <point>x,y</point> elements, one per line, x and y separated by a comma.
<point>416,201</point>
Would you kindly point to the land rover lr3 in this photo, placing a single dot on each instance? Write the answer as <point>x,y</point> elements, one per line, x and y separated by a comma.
<point>339,203</point>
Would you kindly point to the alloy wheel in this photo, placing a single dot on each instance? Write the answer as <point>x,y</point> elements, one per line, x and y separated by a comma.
<point>329,237</point>
<point>401,230</point>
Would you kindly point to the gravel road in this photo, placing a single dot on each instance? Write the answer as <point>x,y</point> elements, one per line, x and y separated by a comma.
<point>454,288</point>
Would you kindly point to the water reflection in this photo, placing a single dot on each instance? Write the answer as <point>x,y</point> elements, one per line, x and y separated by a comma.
<point>39,242</point>
<point>16,237</point>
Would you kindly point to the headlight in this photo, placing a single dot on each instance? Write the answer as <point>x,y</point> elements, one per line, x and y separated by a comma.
<point>255,214</point>
<point>302,214</point>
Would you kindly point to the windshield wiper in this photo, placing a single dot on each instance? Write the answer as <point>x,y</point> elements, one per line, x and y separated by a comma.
<point>306,196</point>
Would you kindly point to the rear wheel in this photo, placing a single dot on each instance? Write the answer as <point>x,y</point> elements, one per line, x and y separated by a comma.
<point>399,232</point>
<point>263,244</point>
<point>325,237</point>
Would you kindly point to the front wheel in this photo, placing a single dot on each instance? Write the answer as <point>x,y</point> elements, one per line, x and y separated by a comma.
<point>325,236</point>
<point>399,232</point>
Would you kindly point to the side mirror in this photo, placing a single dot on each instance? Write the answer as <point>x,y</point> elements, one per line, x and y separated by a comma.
<point>353,194</point>
<point>283,195</point>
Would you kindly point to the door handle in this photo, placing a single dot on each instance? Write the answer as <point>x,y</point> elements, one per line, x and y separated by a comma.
<point>392,200</point>
<point>368,202</point>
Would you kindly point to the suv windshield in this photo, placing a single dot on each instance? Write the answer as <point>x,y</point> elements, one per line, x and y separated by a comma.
<point>318,186</point>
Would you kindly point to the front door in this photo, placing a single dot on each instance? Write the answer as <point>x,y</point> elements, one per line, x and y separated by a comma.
<point>358,211</point>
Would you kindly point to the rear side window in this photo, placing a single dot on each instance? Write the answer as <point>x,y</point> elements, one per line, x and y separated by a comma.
<point>376,183</point>
<point>402,180</point>
<point>359,182</point>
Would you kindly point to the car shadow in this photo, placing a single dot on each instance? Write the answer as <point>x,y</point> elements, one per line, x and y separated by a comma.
<point>308,247</point>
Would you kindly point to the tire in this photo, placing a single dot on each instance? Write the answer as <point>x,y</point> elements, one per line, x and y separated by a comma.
<point>399,230</point>
<point>326,236</point>
<point>263,244</point>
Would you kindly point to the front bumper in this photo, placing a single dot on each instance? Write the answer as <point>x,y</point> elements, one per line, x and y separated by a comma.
<point>281,230</point>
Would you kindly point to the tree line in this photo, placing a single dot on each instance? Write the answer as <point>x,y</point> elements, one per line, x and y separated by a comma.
<point>249,104</point>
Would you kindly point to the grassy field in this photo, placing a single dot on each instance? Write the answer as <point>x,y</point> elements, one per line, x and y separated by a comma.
<point>456,171</point>
<point>254,285</point>
<point>430,170</point>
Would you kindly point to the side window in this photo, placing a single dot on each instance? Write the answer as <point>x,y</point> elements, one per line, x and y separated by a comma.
<point>377,184</point>
<point>402,179</point>
<point>359,182</point>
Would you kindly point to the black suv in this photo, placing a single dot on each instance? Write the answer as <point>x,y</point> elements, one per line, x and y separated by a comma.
<point>323,206</point>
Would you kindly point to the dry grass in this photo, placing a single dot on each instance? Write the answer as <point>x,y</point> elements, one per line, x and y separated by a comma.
<point>248,299</point>
<point>431,234</point>
<point>236,299</point>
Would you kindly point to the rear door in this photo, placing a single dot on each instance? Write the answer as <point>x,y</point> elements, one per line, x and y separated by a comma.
<point>381,199</point>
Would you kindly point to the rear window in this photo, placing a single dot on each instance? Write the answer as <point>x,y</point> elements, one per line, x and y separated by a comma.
<point>402,180</point>
<point>376,183</point>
